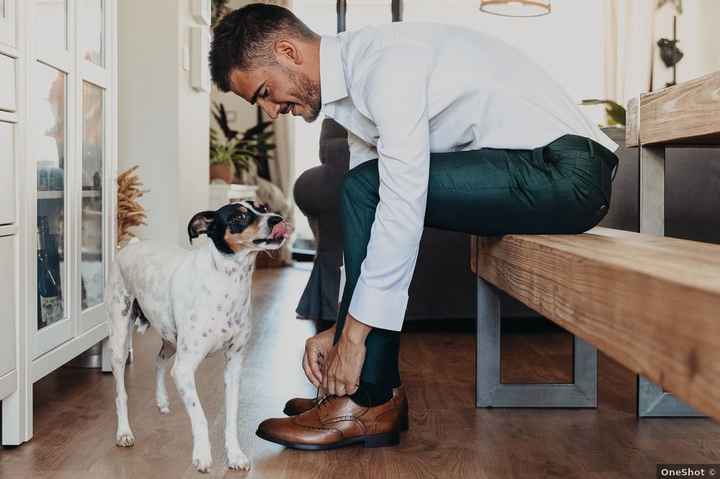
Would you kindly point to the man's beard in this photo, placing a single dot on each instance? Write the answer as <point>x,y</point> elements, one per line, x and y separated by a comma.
<point>308,91</point>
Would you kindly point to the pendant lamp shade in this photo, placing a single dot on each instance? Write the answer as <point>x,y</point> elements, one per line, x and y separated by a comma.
<point>516,8</point>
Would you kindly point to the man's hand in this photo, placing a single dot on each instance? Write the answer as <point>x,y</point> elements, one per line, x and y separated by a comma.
<point>345,360</point>
<point>317,349</point>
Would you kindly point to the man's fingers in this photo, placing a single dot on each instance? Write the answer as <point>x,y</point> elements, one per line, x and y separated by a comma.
<point>308,371</point>
<point>352,389</point>
<point>324,382</point>
<point>340,389</point>
<point>315,365</point>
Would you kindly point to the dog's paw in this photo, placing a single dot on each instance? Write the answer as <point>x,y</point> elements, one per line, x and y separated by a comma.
<point>164,408</point>
<point>125,439</point>
<point>202,460</point>
<point>238,461</point>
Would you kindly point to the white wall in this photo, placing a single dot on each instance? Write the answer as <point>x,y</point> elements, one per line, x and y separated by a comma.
<point>567,43</point>
<point>697,30</point>
<point>163,123</point>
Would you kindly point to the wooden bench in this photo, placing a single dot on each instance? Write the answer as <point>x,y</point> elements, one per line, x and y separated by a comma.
<point>651,303</point>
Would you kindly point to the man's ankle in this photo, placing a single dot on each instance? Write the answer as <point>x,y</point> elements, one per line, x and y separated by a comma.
<point>370,394</point>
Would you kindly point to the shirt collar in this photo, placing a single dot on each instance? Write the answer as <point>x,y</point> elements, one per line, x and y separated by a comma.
<point>332,74</point>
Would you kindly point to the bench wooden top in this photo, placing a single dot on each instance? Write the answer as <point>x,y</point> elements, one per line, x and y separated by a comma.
<point>687,113</point>
<point>652,303</point>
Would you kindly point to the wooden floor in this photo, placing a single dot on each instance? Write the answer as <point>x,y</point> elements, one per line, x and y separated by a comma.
<point>448,437</point>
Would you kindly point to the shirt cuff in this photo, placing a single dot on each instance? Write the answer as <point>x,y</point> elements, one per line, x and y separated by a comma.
<point>384,309</point>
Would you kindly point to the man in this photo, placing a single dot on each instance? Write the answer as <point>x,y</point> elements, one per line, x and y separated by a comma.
<point>447,127</point>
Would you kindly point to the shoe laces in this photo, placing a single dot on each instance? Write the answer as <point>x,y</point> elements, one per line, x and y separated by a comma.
<point>321,398</point>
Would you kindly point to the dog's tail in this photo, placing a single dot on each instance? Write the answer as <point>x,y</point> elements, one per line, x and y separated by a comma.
<point>130,213</point>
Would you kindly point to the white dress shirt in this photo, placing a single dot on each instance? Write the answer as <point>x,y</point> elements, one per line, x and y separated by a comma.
<point>403,90</point>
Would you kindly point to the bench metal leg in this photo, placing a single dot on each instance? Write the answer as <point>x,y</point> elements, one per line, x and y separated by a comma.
<point>492,393</point>
<point>653,401</point>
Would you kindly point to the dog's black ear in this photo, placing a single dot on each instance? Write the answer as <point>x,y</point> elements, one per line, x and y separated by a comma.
<point>200,223</point>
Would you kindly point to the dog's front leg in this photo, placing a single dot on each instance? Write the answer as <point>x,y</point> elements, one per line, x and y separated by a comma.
<point>183,373</point>
<point>236,459</point>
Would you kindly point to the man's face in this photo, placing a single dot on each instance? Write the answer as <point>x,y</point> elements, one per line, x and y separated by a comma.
<point>278,90</point>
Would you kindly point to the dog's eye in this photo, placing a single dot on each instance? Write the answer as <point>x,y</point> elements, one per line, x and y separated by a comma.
<point>240,218</point>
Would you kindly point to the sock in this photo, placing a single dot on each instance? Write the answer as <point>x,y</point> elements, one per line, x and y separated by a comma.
<point>369,394</point>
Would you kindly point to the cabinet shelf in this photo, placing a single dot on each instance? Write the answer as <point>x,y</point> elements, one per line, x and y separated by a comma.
<point>56,195</point>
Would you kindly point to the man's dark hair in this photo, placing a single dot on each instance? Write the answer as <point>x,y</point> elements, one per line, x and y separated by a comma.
<point>243,39</point>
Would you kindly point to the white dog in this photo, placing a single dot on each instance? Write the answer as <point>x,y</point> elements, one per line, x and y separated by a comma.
<point>199,302</point>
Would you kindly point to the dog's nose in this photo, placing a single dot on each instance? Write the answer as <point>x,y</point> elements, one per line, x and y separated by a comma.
<point>273,220</point>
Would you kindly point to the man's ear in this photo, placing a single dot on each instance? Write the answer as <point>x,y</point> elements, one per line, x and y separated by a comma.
<point>287,53</point>
<point>199,224</point>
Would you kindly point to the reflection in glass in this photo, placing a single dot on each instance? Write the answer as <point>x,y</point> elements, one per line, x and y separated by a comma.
<point>91,31</point>
<point>91,266</point>
<point>48,148</point>
<point>51,24</point>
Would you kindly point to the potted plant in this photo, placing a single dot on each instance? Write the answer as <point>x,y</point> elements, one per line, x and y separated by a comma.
<point>614,113</point>
<point>237,153</point>
<point>222,166</point>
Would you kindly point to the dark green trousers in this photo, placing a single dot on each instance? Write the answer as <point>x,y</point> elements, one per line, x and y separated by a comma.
<point>562,188</point>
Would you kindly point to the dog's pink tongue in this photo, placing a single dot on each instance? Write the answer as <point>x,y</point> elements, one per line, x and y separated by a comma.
<point>280,229</point>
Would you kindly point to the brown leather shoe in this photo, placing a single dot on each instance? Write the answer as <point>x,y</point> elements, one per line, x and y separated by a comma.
<point>297,406</point>
<point>337,422</point>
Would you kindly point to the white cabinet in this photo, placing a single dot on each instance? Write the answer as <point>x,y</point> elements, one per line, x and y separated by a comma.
<point>7,173</point>
<point>57,170</point>
<point>7,83</point>
<point>7,22</point>
<point>7,304</point>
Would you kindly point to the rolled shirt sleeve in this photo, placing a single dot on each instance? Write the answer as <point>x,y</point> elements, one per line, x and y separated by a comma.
<point>396,100</point>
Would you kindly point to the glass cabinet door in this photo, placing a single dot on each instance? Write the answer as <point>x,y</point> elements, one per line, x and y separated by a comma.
<point>92,265</point>
<point>51,25</point>
<point>92,31</point>
<point>70,124</point>
<point>49,149</point>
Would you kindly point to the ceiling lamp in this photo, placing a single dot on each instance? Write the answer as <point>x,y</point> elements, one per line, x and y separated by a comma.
<point>516,8</point>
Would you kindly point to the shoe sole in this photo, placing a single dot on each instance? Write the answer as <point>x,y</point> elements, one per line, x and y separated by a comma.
<point>404,422</point>
<point>375,440</point>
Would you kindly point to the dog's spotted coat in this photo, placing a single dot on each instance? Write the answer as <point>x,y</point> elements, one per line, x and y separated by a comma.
<point>199,302</point>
